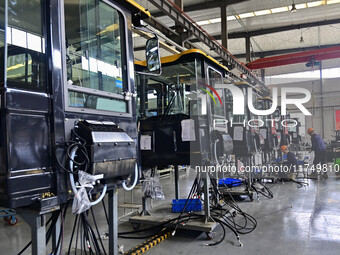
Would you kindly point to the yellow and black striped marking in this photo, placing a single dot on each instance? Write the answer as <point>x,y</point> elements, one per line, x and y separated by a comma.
<point>145,246</point>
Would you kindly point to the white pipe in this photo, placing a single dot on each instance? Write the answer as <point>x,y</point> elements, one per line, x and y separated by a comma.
<point>134,182</point>
<point>73,185</point>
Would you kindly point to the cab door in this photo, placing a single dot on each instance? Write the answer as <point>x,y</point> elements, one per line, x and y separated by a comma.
<point>25,103</point>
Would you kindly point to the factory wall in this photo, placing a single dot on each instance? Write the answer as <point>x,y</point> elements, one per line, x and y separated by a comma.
<point>330,98</point>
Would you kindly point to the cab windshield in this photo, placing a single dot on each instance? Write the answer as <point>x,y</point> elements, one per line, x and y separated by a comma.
<point>172,92</point>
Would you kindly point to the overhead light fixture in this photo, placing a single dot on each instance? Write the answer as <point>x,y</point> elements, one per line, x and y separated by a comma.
<point>293,7</point>
<point>264,12</point>
<point>217,20</point>
<point>333,1</point>
<point>246,15</point>
<point>280,9</point>
<point>301,6</point>
<point>203,22</point>
<point>316,3</point>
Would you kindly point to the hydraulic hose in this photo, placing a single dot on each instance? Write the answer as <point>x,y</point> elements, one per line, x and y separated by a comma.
<point>134,182</point>
<point>73,185</point>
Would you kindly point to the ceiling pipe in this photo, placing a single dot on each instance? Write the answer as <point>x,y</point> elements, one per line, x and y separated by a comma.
<point>294,58</point>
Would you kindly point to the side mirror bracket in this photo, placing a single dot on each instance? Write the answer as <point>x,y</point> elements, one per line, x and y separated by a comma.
<point>153,59</point>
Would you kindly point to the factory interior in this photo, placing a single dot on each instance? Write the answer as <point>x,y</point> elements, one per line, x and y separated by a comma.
<point>169,127</point>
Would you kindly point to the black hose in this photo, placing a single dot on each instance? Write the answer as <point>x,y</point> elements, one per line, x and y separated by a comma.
<point>73,230</point>
<point>107,218</point>
<point>96,226</point>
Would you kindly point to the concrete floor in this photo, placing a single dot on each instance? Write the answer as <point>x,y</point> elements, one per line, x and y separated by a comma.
<point>297,221</point>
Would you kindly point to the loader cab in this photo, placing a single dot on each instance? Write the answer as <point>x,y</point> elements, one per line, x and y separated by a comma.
<point>181,111</point>
<point>242,133</point>
<point>268,130</point>
<point>65,71</point>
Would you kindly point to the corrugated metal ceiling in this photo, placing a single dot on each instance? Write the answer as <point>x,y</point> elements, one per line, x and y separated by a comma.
<point>314,36</point>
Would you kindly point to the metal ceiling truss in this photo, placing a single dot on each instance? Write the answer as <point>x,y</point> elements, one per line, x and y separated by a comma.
<point>161,27</point>
<point>204,6</point>
<point>237,35</point>
<point>187,23</point>
<point>170,36</point>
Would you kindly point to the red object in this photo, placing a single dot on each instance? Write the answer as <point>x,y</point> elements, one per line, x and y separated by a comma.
<point>274,130</point>
<point>337,119</point>
<point>285,130</point>
<point>294,58</point>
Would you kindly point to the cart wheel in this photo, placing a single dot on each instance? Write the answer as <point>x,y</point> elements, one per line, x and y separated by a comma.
<point>210,235</point>
<point>12,221</point>
<point>135,226</point>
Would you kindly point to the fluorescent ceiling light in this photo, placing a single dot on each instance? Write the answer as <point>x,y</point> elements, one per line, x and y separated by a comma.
<point>316,3</point>
<point>203,22</point>
<point>264,12</point>
<point>333,1</point>
<point>217,20</point>
<point>229,18</point>
<point>280,9</point>
<point>301,6</point>
<point>246,15</point>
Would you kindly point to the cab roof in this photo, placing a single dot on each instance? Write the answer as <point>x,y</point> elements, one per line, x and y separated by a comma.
<point>138,9</point>
<point>173,58</point>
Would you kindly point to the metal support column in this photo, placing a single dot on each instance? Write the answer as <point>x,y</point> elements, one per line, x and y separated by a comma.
<point>321,102</point>
<point>248,57</point>
<point>113,221</point>
<point>224,26</point>
<point>250,173</point>
<point>263,74</point>
<point>38,230</point>
<point>176,183</point>
<point>206,197</point>
<point>263,71</point>
<point>146,205</point>
<point>178,28</point>
<point>56,234</point>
